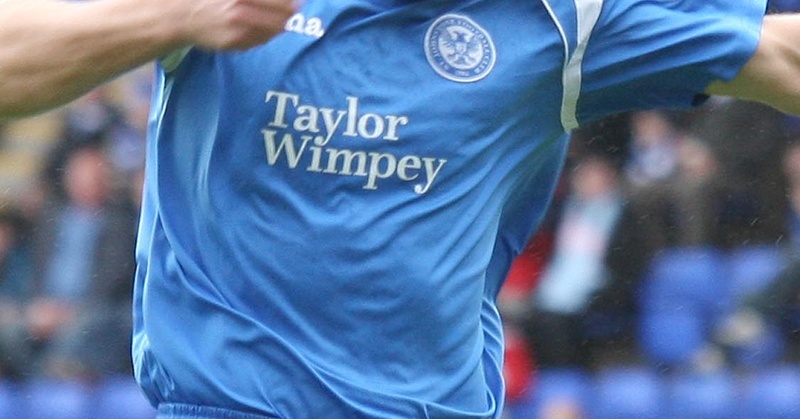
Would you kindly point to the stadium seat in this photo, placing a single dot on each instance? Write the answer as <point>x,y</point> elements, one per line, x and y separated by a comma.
<point>769,348</point>
<point>121,398</point>
<point>684,293</point>
<point>695,395</point>
<point>54,398</point>
<point>752,268</point>
<point>627,393</point>
<point>549,387</point>
<point>687,276</point>
<point>771,393</point>
<point>671,338</point>
<point>9,400</point>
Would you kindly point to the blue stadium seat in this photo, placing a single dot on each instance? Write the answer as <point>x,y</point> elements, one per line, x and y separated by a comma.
<point>119,397</point>
<point>684,293</point>
<point>771,393</point>
<point>768,349</point>
<point>550,386</point>
<point>752,268</point>
<point>693,395</point>
<point>10,400</point>
<point>627,393</point>
<point>687,276</point>
<point>671,338</point>
<point>57,399</point>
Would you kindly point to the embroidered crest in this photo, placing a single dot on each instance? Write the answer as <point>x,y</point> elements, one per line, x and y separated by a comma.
<point>459,49</point>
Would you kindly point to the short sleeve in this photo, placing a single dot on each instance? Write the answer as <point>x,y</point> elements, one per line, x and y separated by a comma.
<point>645,54</point>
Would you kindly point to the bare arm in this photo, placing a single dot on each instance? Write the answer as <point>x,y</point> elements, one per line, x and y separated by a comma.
<point>54,51</point>
<point>772,76</point>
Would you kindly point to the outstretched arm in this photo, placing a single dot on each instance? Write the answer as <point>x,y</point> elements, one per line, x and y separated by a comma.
<point>772,76</point>
<point>54,51</point>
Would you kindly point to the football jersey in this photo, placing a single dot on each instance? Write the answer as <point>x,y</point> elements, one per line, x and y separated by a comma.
<point>327,218</point>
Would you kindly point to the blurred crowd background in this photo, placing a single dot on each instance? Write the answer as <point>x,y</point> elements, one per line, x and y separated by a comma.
<point>664,283</point>
<point>70,184</point>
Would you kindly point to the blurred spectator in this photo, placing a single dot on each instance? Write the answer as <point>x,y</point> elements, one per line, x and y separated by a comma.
<point>562,409</point>
<point>128,138</point>
<point>653,154</point>
<point>16,273</point>
<point>697,195</point>
<point>576,269</point>
<point>791,170</point>
<point>526,271</point>
<point>95,120</point>
<point>16,268</point>
<point>518,365</point>
<point>682,210</point>
<point>79,318</point>
<point>748,140</point>
<point>524,275</point>
<point>775,307</point>
<point>783,6</point>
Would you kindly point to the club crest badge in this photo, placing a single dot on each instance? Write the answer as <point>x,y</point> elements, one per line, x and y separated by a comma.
<point>459,49</point>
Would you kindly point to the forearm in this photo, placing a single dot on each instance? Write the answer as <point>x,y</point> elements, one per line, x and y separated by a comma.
<point>772,76</point>
<point>54,51</point>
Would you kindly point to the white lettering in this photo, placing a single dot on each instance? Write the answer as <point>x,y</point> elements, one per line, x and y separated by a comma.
<point>370,120</point>
<point>352,115</point>
<point>296,23</point>
<point>316,157</point>
<point>348,156</point>
<point>310,27</point>
<point>279,119</point>
<point>431,173</point>
<point>307,119</point>
<point>295,124</point>
<point>314,27</point>
<point>375,171</point>
<point>330,123</point>
<point>393,121</point>
<point>287,146</point>
<point>406,163</point>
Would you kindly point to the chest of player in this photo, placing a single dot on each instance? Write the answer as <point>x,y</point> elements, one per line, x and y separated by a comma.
<point>382,69</point>
<point>381,92</point>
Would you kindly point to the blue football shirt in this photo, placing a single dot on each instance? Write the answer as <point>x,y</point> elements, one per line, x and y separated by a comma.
<point>328,218</point>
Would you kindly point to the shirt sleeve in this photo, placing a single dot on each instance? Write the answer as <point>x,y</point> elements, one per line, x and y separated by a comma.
<point>645,54</point>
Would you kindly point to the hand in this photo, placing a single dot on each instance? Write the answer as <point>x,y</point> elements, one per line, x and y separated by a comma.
<point>231,24</point>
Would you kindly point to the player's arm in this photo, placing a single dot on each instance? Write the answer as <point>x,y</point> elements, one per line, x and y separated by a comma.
<point>772,75</point>
<point>53,51</point>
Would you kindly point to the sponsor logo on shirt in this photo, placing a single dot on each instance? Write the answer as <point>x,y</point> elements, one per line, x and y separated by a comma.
<point>459,49</point>
<point>299,135</point>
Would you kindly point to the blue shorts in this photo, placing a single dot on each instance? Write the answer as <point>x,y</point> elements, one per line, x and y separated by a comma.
<point>190,411</point>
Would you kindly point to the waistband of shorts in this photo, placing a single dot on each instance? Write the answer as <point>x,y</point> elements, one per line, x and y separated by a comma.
<point>191,411</point>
